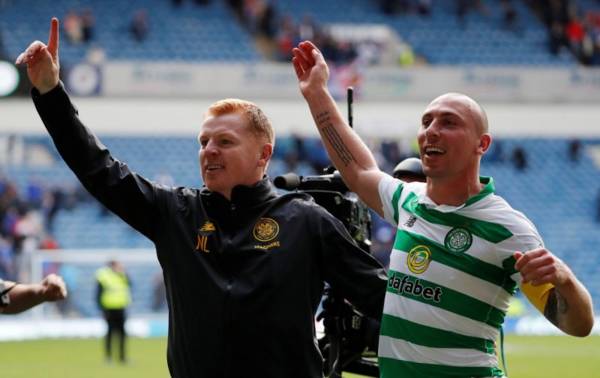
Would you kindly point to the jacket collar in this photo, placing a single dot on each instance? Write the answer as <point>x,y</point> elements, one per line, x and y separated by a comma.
<point>246,196</point>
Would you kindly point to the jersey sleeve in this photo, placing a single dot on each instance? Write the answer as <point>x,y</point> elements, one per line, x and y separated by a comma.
<point>390,192</point>
<point>526,238</point>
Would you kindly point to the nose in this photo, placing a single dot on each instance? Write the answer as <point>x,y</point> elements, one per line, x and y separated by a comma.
<point>210,148</point>
<point>432,130</point>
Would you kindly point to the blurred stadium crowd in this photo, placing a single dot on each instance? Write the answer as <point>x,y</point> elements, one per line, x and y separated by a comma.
<point>529,32</point>
<point>42,205</point>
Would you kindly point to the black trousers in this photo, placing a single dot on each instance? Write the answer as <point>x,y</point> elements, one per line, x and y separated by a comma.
<point>115,320</point>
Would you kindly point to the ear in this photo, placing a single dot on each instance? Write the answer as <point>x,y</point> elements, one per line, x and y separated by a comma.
<point>485,141</point>
<point>265,155</point>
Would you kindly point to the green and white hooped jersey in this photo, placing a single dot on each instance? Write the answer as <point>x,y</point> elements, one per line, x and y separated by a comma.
<point>450,280</point>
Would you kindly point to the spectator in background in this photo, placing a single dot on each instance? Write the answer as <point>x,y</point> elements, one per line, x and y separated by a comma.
<point>574,150</point>
<point>28,231</point>
<point>575,33</point>
<point>34,193</point>
<point>88,23</point>
<point>17,297</point>
<point>286,38</point>
<point>391,7</point>
<point>53,201</point>
<point>509,15</point>
<point>113,296</point>
<point>139,26</point>
<point>556,37</point>
<point>267,20</point>
<point>73,27</point>
<point>519,158</point>
<point>424,7</point>
<point>238,9</point>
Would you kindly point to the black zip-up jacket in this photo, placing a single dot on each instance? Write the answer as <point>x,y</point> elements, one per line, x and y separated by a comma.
<point>243,277</point>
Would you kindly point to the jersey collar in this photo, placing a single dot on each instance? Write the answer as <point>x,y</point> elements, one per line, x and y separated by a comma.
<point>488,189</point>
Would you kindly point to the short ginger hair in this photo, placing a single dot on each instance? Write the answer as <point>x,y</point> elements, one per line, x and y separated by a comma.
<point>258,122</point>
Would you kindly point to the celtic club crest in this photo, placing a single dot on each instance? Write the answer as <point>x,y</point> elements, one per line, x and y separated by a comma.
<point>265,230</point>
<point>458,240</point>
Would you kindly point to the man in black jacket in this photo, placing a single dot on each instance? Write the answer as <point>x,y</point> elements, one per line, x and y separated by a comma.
<point>244,268</point>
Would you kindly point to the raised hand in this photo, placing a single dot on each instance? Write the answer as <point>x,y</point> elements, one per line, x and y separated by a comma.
<point>311,68</point>
<point>53,288</point>
<point>42,61</point>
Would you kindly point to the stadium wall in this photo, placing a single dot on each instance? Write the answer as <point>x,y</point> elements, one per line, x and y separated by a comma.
<point>169,98</point>
<point>266,80</point>
<point>183,116</point>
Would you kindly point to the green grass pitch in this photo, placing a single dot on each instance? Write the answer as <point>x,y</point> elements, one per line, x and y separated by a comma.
<point>528,357</point>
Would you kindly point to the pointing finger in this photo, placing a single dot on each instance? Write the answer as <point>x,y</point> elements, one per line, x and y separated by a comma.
<point>53,39</point>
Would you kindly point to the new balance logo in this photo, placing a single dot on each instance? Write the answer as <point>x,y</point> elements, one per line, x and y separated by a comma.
<point>411,221</point>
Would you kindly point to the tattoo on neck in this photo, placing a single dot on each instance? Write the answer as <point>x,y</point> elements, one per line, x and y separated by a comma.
<point>333,138</point>
<point>556,307</point>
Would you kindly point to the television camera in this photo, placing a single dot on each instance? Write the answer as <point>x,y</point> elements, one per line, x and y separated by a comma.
<point>350,339</point>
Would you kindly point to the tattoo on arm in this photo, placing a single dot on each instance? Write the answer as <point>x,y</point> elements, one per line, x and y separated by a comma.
<point>556,307</point>
<point>334,139</point>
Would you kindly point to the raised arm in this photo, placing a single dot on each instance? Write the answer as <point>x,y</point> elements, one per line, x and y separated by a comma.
<point>345,148</point>
<point>42,61</point>
<point>120,189</point>
<point>25,296</point>
<point>568,304</point>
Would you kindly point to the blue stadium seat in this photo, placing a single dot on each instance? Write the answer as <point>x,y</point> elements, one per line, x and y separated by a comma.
<point>174,33</point>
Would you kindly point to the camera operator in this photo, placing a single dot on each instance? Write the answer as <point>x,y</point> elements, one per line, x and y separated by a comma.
<point>244,267</point>
<point>410,170</point>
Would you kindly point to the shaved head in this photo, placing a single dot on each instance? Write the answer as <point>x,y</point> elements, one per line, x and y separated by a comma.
<point>468,107</point>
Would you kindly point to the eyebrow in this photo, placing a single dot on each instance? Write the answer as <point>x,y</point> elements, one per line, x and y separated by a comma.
<point>442,114</point>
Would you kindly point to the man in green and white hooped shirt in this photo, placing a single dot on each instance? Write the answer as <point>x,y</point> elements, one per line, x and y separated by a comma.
<point>460,250</point>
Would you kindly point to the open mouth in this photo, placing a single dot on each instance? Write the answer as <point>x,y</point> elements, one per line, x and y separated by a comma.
<point>433,151</point>
<point>213,167</point>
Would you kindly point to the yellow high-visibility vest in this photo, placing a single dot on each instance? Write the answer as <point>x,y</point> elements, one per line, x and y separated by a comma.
<point>115,289</point>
